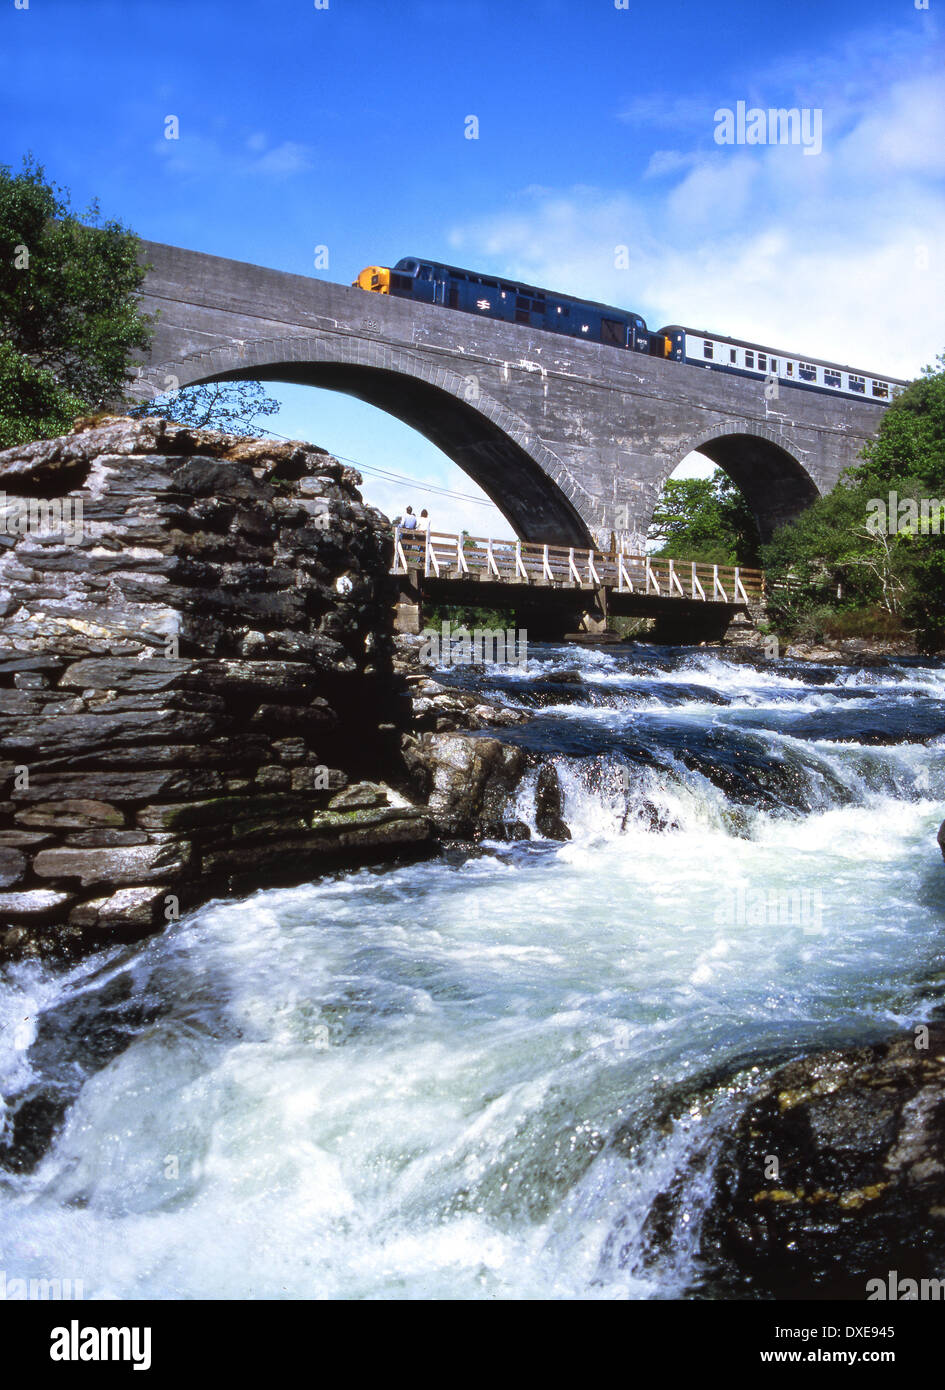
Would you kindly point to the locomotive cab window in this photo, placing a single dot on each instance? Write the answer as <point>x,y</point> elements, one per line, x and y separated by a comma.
<point>425,272</point>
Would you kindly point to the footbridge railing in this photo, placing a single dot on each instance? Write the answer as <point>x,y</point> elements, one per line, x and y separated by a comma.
<point>443,555</point>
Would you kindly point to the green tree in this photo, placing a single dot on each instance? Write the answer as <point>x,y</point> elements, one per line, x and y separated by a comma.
<point>233,406</point>
<point>853,553</point>
<point>68,305</point>
<point>911,438</point>
<point>705,519</point>
<point>32,403</point>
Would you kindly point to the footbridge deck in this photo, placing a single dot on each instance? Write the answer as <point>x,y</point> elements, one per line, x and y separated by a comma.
<point>532,577</point>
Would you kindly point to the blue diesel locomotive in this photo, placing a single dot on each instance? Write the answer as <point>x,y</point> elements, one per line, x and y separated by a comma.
<point>490,296</point>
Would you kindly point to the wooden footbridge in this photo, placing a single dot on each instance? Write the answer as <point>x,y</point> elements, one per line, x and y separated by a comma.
<point>551,585</point>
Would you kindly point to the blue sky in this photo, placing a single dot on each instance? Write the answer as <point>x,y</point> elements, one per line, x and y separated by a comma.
<point>344,127</point>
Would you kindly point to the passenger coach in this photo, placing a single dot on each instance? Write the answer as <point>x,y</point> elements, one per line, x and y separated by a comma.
<point>487,296</point>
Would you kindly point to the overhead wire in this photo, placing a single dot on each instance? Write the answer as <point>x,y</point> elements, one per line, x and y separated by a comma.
<point>387,476</point>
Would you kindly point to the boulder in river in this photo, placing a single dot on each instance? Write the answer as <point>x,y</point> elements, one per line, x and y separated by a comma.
<point>835,1176</point>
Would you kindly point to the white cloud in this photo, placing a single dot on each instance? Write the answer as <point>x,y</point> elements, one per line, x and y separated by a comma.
<point>195,155</point>
<point>285,159</point>
<point>668,162</point>
<point>838,255</point>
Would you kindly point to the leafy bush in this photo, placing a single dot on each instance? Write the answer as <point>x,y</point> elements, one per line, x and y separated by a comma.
<point>707,520</point>
<point>855,551</point>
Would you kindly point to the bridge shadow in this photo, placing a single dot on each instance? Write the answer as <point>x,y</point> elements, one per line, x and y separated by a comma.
<point>775,484</point>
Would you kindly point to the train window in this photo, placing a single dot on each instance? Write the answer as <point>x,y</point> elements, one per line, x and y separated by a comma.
<point>857,383</point>
<point>762,362</point>
<point>807,371</point>
<point>789,368</point>
<point>880,389</point>
<point>408,266</point>
<point>732,355</point>
<point>749,359</point>
<point>831,378</point>
<point>774,364</point>
<point>425,272</point>
<point>706,349</point>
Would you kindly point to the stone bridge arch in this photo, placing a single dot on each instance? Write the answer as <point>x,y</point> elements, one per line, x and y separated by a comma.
<point>761,462</point>
<point>525,480</point>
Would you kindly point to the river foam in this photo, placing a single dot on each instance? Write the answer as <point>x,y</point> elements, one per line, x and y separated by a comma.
<point>476,1077</point>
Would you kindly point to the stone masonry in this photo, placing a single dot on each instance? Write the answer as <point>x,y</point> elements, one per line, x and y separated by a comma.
<point>572,440</point>
<point>195,674</point>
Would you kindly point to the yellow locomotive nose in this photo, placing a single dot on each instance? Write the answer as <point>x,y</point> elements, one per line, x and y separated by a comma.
<point>373,277</point>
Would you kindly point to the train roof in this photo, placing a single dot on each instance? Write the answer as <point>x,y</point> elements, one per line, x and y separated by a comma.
<point>504,282</point>
<point>781,352</point>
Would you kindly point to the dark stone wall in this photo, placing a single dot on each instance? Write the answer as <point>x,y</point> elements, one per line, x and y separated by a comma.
<point>194,678</point>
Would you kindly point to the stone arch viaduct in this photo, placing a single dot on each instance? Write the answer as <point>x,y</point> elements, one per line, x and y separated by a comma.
<point>571,440</point>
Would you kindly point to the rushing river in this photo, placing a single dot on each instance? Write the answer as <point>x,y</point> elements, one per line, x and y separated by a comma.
<point>479,1076</point>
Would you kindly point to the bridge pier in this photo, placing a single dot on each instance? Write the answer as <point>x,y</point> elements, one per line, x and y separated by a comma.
<point>408,606</point>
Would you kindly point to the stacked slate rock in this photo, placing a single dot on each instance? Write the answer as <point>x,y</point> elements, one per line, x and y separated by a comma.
<point>194,678</point>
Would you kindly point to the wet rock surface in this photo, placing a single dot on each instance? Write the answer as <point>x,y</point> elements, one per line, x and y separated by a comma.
<point>465,780</point>
<point>835,1175</point>
<point>438,708</point>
